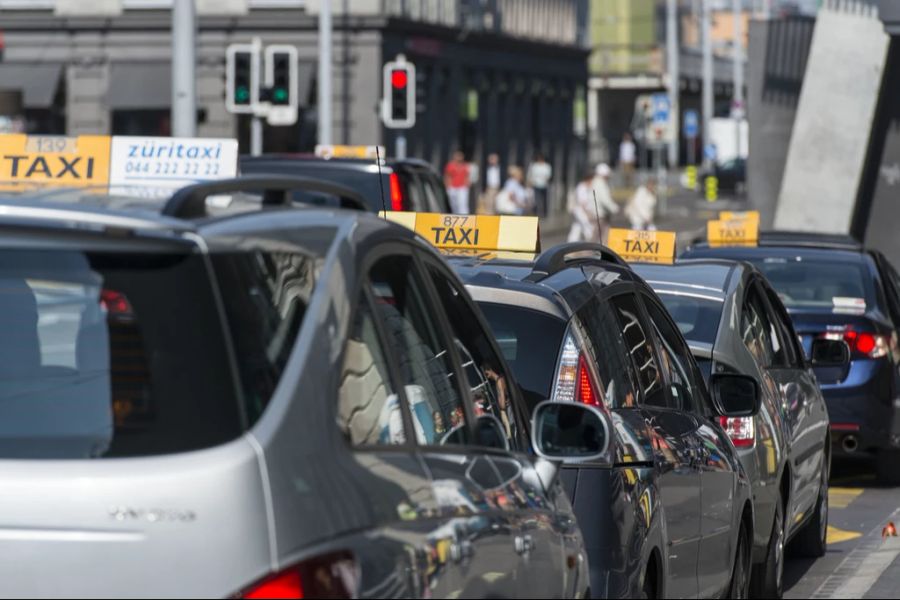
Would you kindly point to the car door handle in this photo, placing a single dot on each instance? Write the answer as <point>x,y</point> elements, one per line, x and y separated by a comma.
<point>524,544</point>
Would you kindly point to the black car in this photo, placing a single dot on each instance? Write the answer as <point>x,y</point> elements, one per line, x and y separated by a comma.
<point>667,512</point>
<point>731,175</point>
<point>734,322</point>
<point>834,288</point>
<point>269,400</point>
<point>398,185</point>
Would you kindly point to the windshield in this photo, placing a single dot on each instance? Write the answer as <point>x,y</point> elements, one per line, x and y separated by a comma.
<point>696,316</point>
<point>816,284</point>
<point>124,354</point>
<point>530,343</point>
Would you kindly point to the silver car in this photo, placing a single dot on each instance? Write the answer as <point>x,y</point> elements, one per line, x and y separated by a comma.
<point>734,322</point>
<point>266,402</point>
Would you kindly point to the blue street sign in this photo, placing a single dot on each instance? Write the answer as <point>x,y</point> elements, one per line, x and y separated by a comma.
<point>710,151</point>
<point>661,108</point>
<point>691,123</point>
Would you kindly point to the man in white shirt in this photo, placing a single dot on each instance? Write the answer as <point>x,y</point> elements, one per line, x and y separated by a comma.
<point>539,175</point>
<point>627,159</point>
<point>493,181</point>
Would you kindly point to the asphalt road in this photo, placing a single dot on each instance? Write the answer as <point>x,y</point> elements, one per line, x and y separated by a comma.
<point>860,563</point>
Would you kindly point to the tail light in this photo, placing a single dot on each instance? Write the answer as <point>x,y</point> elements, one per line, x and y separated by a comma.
<point>868,345</point>
<point>741,430</point>
<point>396,193</point>
<point>574,381</point>
<point>334,575</point>
<point>115,303</point>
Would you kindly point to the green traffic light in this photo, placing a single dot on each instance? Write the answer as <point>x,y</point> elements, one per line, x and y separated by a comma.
<point>280,95</point>
<point>242,94</point>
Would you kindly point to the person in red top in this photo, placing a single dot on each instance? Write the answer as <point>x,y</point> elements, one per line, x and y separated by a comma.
<point>456,178</point>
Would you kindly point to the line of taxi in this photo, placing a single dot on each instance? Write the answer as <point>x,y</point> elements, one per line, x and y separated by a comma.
<point>258,387</point>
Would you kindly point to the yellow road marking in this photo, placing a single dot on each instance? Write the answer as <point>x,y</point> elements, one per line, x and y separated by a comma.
<point>839,497</point>
<point>836,536</point>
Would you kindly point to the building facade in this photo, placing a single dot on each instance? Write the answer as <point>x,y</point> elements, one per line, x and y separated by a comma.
<point>506,76</point>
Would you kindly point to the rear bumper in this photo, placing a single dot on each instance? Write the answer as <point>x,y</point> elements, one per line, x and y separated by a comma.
<point>863,409</point>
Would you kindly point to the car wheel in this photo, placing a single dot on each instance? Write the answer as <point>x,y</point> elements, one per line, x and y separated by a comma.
<point>648,588</point>
<point>740,575</point>
<point>887,466</point>
<point>768,578</point>
<point>812,539</point>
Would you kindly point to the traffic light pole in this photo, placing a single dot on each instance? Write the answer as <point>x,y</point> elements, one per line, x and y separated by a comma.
<point>400,148</point>
<point>256,126</point>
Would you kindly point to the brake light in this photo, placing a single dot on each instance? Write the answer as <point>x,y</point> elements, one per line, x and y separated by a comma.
<point>741,430</point>
<point>866,344</point>
<point>574,382</point>
<point>396,193</point>
<point>334,575</point>
<point>115,303</point>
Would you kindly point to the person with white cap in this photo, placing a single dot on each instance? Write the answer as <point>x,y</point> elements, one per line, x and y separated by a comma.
<point>606,206</point>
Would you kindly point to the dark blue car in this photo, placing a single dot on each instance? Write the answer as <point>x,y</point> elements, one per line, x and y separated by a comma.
<point>834,288</point>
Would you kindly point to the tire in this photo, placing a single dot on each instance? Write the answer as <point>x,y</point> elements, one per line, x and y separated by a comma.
<point>811,541</point>
<point>740,573</point>
<point>768,578</point>
<point>648,587</point>
<point>887,467</point>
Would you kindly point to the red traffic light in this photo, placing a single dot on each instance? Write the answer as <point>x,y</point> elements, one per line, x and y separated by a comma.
<point>399,78</point>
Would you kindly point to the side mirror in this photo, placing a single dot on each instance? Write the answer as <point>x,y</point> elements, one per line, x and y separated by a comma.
<point>735,395</point>
<point>489,432</point>
<point>563,431</point>
<point>830,353</point>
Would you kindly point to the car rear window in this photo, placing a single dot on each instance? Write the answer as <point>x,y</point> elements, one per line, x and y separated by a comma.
<point>697,317</point>
<point>363,180</point>
<point>124,354</point>
<point>530,343</point>
<point>818,284</point>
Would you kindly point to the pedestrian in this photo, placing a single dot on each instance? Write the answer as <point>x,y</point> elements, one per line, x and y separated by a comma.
<point>539,175</point>
<point>493,179</point>
<point>627,159</point>
<point>585,227</point>
<point>513,198</point>
<point>642,207</point>
<point>606,206</point>
<point>456,179</point>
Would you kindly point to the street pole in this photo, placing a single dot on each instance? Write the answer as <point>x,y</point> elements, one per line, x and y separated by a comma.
<point>672,49</point>
<point>324,101</point>
<point>256,124</point>
<point>184,50</point>
<point>707,79</point>
<point>737,102</point>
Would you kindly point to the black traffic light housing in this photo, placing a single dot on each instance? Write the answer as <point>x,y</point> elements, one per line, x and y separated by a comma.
<point>398,110</point>
<point>280,92</point>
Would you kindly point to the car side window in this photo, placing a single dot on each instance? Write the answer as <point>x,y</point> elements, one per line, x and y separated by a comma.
<point>686,381</point>
<point>420,352</point>
<point>369,410</point>
<point>433,192</point>
<point>640,347</point>
<point>610,354</point>
<point>793,352</point>
<point>758,332</point>
<point>489,383</point>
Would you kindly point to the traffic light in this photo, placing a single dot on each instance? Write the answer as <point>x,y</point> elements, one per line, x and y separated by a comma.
<point>242,78</point>
<point>281,84</point>
<point>398,105</point>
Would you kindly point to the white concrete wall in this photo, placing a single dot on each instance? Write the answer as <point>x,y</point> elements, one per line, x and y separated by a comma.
<point>834,119</point>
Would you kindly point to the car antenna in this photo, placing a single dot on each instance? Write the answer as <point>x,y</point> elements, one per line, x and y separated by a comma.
<point>597,212</point>
<point>380,180</point>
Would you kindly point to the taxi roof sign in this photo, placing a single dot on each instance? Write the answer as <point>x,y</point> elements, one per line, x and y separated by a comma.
<point>748,215</point>
<point>53,161</point>
<point>733,232</point>
<point>473,232</point>
<point>643,246</point>
<point>337,151</point>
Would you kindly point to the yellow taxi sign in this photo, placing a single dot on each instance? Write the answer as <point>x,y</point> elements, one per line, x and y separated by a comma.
<point>364,152</point>
<point>643,246</point>
<point>733,232</point>
<point>47,161</point>
<point>473,232</point>
<point>744,215</point>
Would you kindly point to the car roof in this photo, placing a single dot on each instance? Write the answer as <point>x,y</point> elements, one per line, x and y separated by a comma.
<point>336,163</point>
<point>802,239</point>
<point>706,277</point>
<point>568,283</point>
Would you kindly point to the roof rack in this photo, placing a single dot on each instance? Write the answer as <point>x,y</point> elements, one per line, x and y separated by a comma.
<point>554,260</point>
<point>190,202</point>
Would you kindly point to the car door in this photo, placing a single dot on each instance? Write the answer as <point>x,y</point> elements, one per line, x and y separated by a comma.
<point>805,414</point>
<point>470,541</point>
<point>687,393</point>
<point>544,533</point>
<point>674,448</point>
